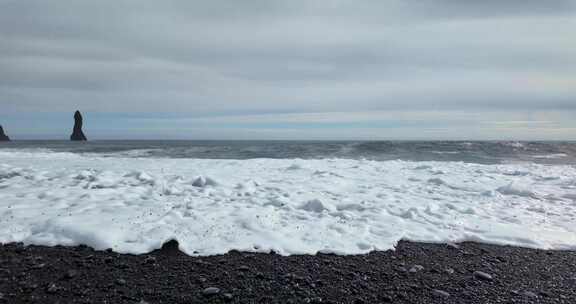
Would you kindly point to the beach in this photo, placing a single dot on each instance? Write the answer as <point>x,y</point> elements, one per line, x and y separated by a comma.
<point>287,222</point>
<point>280,151</point>
<point>413,273</point>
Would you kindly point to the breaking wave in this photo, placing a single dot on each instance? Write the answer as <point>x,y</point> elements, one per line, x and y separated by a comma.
<point>292,206</point>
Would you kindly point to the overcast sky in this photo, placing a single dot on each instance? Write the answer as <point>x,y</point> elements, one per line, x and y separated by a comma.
<point>289,69</point>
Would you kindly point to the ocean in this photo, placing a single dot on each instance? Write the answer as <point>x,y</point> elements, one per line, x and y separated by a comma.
<point>290,197</point>
<point>482,152</point>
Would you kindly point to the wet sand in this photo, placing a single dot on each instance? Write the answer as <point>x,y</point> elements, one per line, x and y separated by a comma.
<point>413,273</point>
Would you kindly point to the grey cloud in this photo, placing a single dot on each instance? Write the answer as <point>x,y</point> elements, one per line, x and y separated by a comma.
<point>297,56</point>
<point>102,19</point>
<point>468,8</point>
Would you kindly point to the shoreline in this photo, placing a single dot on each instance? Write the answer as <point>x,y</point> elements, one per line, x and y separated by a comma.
<point>413,273</point>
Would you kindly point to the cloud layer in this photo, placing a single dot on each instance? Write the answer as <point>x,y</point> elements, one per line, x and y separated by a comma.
<point>263,59</point>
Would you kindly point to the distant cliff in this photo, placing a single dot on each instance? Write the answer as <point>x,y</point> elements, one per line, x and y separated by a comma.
<point>3,137</point>
<point>77,133</point>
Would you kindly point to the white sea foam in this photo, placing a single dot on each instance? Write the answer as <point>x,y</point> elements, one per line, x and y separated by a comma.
<point>551,156</point>
<point>291,206</point>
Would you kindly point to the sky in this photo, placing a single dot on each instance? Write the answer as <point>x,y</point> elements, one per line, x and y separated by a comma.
<point>289,69</point>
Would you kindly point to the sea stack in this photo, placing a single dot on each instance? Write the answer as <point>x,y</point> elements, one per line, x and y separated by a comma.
<point>3,137</point>
<point>77,134</point>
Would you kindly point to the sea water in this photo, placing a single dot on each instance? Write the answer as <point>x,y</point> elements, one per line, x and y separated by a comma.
<point>286,196</point>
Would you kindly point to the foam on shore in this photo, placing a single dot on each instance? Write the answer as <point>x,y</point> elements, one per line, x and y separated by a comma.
<point>291,206</point>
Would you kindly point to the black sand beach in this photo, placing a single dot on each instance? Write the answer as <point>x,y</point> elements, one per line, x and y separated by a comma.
<point>414,273</point>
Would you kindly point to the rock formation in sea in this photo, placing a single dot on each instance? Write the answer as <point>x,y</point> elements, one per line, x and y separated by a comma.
<point>77,134</point>
<point>3,137</point>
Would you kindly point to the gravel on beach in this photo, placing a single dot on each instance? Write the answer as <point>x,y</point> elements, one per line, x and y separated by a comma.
<point>413,273</point>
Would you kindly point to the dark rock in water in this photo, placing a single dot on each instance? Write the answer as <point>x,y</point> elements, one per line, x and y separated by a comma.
<point>171,248</point>
<point>3,136</point>
<point>77,134</point>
